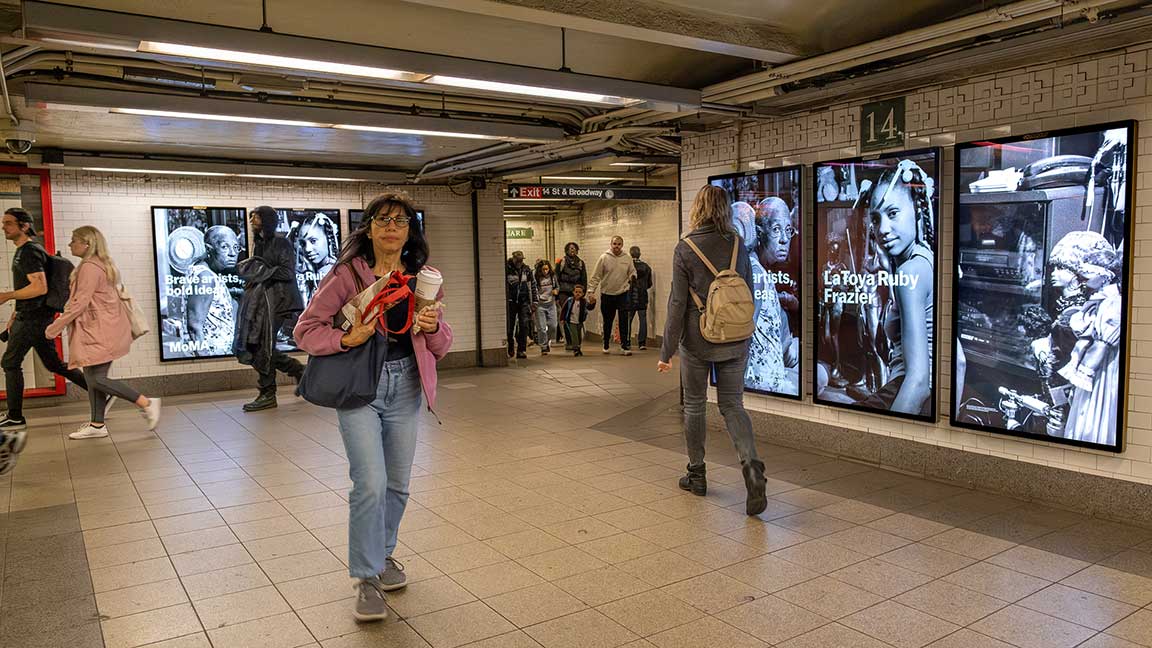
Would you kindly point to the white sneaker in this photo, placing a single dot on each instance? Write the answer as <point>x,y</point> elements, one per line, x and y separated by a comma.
<point>627,352</point>
<point>89,432</point>
<point>606,351</point>
<point>108,405</point>
<point>152,413</point>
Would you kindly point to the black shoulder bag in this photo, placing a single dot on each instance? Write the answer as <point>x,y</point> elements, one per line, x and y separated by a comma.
<point>348,379</point>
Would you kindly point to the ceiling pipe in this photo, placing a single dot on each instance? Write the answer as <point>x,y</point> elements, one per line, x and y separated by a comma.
<point>763,85</point>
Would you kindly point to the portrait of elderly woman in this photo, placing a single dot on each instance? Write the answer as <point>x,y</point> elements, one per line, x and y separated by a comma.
<point>316,238</point>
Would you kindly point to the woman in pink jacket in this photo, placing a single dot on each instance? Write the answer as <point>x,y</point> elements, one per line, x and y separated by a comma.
<point>380,438</point>
<point>99,331</point>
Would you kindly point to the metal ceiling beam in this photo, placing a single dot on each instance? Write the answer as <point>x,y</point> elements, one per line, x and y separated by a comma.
<point>80,25</point>
<point>38,94</point>
<point>633,20</point>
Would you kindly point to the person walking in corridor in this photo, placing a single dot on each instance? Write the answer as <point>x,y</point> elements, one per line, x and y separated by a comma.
<point>380,438</point>
<point>99,331</point>
<point>573,314</point>
<point>716,245</point>
<point>271,298</point>
<point>638,297</point>
<point>30,318</point>
<point>518,291</point>
<point>570,272</point>
<point>613,276</point>
<point>545,292</point>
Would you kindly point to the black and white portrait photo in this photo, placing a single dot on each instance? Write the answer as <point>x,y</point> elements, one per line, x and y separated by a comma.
<point>1041,285</point>
<point>196,254</point>
<point>875,283</point>
<point>767,214</point>
<point>315,235</point>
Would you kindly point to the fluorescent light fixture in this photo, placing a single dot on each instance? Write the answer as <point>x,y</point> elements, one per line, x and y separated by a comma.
<point>303,124</point>
<point>210,117</point>
<point>533,91</point>
<point>149,172</point>
<point>581,177</point>
<point>412,131</point>
<point>268,60</point>
<point>632,164</point>
<point>292,177</point>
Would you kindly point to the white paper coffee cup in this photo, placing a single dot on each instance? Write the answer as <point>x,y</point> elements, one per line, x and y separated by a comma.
<point>428,282</point>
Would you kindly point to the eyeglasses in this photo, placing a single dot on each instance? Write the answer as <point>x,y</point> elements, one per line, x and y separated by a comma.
<point>776,231</point>
<point>383,220</point>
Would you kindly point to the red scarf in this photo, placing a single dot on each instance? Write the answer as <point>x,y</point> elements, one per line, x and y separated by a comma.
<point>394,291</point>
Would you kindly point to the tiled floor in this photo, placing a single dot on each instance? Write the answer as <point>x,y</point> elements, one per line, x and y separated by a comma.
<point>544,512</point>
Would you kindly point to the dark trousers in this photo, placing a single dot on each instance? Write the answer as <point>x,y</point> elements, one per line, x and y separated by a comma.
<point>642,333</point>
<point>271,360</point>
<point>729,374</point>
<point>610,307</point>
<point>561,299</point>
<point>575,334</point>
<point>101,389</point>
<point>27,333</point>
<point>519,323</point>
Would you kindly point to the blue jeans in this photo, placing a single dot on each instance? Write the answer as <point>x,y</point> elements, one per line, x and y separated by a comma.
<point>380,441</point>
<point>545,323</point>
<point>694,374</point>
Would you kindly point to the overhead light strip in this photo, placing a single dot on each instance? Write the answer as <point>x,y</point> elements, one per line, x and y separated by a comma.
<point>227,118</point>
<point>268,60</point>
<point>218,174</point>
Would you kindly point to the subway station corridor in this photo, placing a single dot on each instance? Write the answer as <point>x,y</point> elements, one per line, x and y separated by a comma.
<point>544,512</point>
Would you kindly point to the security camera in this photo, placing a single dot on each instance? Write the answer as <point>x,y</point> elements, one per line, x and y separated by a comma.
<point>18,140</point>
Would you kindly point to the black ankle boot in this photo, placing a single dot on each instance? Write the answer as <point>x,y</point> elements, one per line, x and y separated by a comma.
<point>266,400</point>
<point>756,484</point>
<point>696,481</point>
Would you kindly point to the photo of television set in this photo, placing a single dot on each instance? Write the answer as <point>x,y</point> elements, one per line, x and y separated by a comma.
<point>877,223</point>
<point>1042,250</point>
<point>767,212</point>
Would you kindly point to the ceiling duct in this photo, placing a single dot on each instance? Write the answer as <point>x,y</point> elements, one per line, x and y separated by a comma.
<point>214,45</point>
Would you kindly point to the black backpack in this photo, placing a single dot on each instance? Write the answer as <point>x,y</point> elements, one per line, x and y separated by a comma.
<point>58,272</point>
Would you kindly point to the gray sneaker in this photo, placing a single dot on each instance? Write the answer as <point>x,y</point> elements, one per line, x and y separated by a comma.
<point>371,604</point>
<point>392,578</point>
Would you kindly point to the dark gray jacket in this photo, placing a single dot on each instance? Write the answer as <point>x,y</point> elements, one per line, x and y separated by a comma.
<point>682,329</point>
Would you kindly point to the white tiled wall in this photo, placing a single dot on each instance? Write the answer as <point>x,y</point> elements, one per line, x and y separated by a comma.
<point>1071,93</point>
<point>653,226</point>
<point>120,205</point>
<point>534,248</point>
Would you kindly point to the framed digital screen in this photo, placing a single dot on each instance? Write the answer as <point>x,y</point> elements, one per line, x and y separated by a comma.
<point>1042,247</point>
<point>315,235</point>
<point>197,288</point>
<point>356,216</point>
<point>874,269</point>
<point>767,212</point>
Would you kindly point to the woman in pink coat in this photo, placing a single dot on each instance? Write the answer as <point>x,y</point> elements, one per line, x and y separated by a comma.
<point>380,438</point>
<point>99,331</point>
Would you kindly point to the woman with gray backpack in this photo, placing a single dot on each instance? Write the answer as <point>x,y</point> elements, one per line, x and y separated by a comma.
<point>710,322</point>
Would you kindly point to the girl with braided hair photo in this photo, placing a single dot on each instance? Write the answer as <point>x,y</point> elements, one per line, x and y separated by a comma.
<point>882,357</point>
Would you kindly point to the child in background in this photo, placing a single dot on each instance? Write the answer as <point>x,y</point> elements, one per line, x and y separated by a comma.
<point>573,314</point>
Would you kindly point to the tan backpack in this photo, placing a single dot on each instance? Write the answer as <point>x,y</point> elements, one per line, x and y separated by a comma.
<point>728,313</point>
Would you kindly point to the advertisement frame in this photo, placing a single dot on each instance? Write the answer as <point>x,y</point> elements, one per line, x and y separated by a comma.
<point>801,231</point>
<point>1125,316</point>
<point>156,266</point>
<point>934,398</point>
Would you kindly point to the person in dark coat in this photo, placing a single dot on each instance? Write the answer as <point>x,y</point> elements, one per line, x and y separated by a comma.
<point>570,272</point>
<point>638,297</point>
<point>271,298</point>
<point>518,289</point>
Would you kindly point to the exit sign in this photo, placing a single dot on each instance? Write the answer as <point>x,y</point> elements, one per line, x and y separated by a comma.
<point>882,125</point>
<point>520,233</point>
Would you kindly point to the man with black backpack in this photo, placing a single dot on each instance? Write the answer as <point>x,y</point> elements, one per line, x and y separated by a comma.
<point>37,278</point>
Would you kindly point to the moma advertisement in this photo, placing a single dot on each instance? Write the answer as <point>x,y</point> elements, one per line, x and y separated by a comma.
<point>315,234</point>
<point>196,253</point>
<point>767,213</point>
<point>1042,243</point>
<point>875,283</point>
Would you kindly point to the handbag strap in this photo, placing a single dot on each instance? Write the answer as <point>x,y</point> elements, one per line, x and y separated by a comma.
<point>393,292</point>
